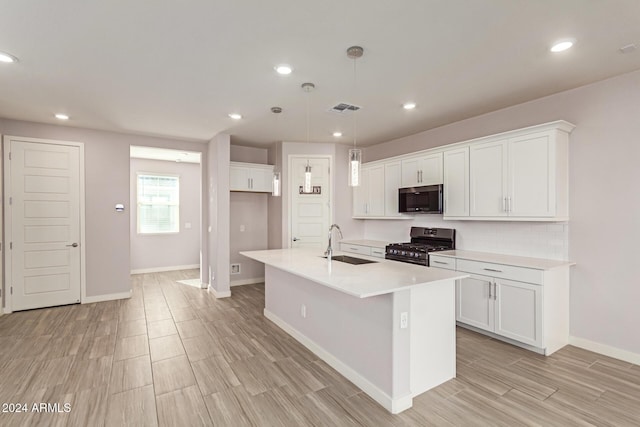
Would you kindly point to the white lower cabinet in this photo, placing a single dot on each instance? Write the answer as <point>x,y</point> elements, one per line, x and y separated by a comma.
<point>364,247</point>
<point>532,313</point>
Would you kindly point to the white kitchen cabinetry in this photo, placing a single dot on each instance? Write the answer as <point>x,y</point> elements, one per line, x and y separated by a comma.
<point>250,177</point>
<point>520,177</point>
<point>364,247</point>
<point>456,182</point>
<point>520,304</point>
<point>377,195</point>
<point>392,181</point>
<point>422,170</point>
<point>368,197</point>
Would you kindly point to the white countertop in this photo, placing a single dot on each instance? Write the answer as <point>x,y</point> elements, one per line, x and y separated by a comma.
<point>362,281</point>
<point>517,261</point>
<point>371,243</point>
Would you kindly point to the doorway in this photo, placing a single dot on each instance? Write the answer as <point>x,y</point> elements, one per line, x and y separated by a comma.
<point>166,214</point>
<point>44,222</point>
<point>310,211</point>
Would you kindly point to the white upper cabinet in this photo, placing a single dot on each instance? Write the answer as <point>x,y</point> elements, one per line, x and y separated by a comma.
<point>456,182</point>
<point>422,170</point>
<point>368,197</point>
<point>522,177</point>
<point>250,177</point>
<point>488,175</point>
<point>392,181</point>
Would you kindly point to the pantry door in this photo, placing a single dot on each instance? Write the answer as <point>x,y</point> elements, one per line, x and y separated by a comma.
<point>310,212</point>
<point>44,222</point>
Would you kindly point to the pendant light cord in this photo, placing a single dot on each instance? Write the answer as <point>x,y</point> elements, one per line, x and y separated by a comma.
<point>355,82</point>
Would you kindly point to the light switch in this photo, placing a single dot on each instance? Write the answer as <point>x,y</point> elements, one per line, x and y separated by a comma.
<point>187,225</point>
<point>242,228</point>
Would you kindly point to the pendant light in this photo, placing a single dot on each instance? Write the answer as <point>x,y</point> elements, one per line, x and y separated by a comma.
<point>276,181</point>
<point>307,87</point>
<point>355,154</point>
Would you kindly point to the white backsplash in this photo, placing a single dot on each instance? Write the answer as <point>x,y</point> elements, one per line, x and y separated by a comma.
<point>532,239</point>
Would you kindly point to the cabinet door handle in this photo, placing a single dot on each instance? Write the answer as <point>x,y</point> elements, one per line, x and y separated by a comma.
<point>420,176</point>
<point>509,204</point>
<point>417,176</point>
<point>495,291</point>
<point>490,296</point>
<point>504,204</point>
<point>491,269</point>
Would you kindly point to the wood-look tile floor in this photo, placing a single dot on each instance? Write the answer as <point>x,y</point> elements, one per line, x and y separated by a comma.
<point>173,355</point>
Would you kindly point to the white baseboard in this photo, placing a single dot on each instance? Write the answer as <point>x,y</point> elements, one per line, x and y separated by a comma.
<point>247,281</point>
<point>162,269</point>
<point>219,294</point>
<point>606,350</point>
<point>107,297</point>
<point>394,406</point>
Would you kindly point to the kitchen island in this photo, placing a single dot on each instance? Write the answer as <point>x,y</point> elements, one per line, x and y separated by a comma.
<point>388,327</point>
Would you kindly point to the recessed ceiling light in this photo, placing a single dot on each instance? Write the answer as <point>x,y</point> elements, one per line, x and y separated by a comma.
<point>283,69</point>
<point>235,116</point>
<point>337,134</point>
<point>562,45</point>
<point>6,58</point>
<point>61,116</point>
<point>409,105</point>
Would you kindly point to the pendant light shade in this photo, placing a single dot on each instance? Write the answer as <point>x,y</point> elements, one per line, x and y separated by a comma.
<point>276,182</point>
<point>307,178</point>
<point>355,159</point>
<point>275,190</point>
<point>355,154</point>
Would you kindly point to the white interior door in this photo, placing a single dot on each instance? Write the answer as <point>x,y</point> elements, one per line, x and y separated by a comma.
<point>310,213</point>
<point>45,224</point>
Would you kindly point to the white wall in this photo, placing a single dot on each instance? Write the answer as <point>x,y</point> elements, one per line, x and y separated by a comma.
<point>218,157</point>
<point>150,251</point>
<point>604,228</point>
<point>106,183</point>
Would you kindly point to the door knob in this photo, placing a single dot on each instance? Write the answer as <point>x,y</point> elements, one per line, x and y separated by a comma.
<point>75,245</point>
<point>295,239</point>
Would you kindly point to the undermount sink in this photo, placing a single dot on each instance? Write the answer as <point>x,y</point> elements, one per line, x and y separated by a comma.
<point>351,260</point>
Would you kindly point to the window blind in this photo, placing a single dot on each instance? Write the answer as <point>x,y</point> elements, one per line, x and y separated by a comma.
<point>158,203</point>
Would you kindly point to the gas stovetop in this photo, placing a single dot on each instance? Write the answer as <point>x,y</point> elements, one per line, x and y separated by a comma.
<point>423,241</point>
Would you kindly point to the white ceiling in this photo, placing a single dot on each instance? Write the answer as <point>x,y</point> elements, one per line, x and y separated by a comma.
<point>176,69</point>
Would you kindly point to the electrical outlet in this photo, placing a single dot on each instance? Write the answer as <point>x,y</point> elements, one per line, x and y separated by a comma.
<point>404,320</point>
<point>303,311</point>
<point>235,268</point>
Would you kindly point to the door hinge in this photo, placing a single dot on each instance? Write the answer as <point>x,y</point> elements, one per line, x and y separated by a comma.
<point>12,290</point>
<point>9,155</point>
<point>10,245</point>
<point>10,200</point>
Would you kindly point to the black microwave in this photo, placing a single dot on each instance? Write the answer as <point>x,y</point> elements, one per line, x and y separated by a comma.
<point>426,199</point>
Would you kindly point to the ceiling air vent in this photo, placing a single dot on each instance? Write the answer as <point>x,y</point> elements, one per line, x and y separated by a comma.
<point>344,108</point>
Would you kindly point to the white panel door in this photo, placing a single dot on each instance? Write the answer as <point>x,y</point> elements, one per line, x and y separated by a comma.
<point>474,302</point>
<point>310,214</point>
<point>488,169</point>
<point>45,224</point>
<point>531,176</point>
<point>456,182</point>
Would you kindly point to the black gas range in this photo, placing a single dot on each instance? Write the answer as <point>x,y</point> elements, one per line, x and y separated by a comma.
<point>423,241</point>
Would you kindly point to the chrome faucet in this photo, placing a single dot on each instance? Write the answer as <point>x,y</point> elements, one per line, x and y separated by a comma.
<point>329,252</point>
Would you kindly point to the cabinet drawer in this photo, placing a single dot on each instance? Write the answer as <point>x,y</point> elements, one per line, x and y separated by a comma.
<point>442,262</point>
<point>520,274</point>
<point>377,252</point>
<point>356,249</point>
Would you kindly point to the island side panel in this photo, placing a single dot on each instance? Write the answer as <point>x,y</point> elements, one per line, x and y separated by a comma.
<point>433,335</point>
<point>356,331</point>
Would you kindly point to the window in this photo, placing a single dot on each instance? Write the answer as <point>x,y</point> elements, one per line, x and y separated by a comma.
<point>158,204</point>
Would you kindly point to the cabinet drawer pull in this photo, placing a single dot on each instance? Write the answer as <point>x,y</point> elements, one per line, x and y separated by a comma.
<point>491,269</point>
<point>440,262</point>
